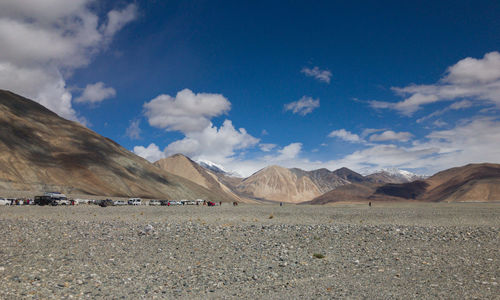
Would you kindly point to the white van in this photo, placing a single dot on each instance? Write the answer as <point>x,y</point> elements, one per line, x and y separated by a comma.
<point>134,201</point>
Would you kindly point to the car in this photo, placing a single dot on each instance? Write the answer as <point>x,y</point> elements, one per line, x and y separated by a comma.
<point>120,202</point>
<point>134,201</point>
<point>154,202</point>
<point>62,202</point>
<point>4,201</point>
<point>106,203</point>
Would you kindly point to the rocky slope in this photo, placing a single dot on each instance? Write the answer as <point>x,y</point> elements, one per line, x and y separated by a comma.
<point>393,176</point>
<point>278,184</point>
<point>183,166</point>
<point>296,185</point>
<point>474,182</point>
<point>40,151</point>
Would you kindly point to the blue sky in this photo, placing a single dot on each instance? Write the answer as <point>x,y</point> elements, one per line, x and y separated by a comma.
<point>246,84</point>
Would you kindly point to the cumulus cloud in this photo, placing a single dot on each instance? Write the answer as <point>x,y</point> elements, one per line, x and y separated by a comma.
<point>43,42</point>
<point>151,153</point>
<point>390,135</point>
<point>303,106</point>
<point>475,79</point>
<point>214,144</point>
<point>289,152</point>
<point>317,73</point>
<point>471,141</point>
<point>97,92</point>
<point>134,131</point>
<point>346,136</point>
<point>186,112</point>
<point>191,114</point>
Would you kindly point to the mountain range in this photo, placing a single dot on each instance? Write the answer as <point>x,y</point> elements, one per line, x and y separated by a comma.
<point>470,183</point>
<point>40,151</point>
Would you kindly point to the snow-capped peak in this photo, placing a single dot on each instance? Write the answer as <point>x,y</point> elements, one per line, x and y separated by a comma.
<point>216,168</point>
<point>409,176</point>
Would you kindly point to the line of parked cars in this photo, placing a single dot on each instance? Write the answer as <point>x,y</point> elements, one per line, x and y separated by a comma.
<point>11,201</point>
<point>56,198</point>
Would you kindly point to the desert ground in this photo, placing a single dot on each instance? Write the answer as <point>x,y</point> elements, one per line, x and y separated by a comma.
<point>387,251</point>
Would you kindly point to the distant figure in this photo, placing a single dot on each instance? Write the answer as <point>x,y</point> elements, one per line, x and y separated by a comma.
<point>281,203</point>
<point>220,203</point>
<point>369,204</point>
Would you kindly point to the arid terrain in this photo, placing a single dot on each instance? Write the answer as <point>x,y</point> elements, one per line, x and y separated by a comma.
<point>389,250</point>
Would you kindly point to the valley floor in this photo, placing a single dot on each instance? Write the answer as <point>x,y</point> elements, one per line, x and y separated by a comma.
<point>251,251</point>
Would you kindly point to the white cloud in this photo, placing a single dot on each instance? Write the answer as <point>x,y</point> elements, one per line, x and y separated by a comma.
<point>321,75</point>
<point>214,144</point>
<point>46,85</point>
<point>267,147</point>
<point>471,141</point>
<point>117,19</point>
<point>471,70</point>
<point>152,153</point>
<point>475,79</point>
<point>186,112</point>
<point>390,135</point>
<point>289,152</point>
<point>191,114</point>
<point>366,132</point>
<point>42,42</point>
<point>439,123</point>
<point>96,92</point>
<point>454,106</point>
<point>303,106</point>
<point>346,136</point>
<point>134,131</point>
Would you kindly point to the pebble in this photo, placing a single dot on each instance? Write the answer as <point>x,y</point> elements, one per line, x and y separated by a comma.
<point>88,252</point>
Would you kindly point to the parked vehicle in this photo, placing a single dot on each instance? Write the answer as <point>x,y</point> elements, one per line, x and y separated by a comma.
<point>62,202</point>
<point>154,202</point>
<point>43,200</point>
<point>106,203</point>
<point>120,202</point>
<point>4,201</point>
<point>134,201</point>
<point>164,202</point>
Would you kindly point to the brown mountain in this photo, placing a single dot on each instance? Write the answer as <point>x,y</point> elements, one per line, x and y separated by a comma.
<point>40,151</point>
<point>473,182</point>
<point>324,179</point>
<point>295,185</point>
<point>354,192</point>
<point>278,184</point>
<point>183,166</point>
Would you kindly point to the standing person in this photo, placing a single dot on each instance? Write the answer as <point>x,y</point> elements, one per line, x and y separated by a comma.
<point>281,203</point>
<point>220,203</point>
<point>369,204</point>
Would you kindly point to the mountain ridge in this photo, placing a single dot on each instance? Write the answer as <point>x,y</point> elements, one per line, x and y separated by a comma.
<point>41,151</point>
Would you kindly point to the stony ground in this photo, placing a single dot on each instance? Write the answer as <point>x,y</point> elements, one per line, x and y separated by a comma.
<point>262,252</point>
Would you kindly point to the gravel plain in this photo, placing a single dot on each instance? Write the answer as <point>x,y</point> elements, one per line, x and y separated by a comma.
<point>389,251</point>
